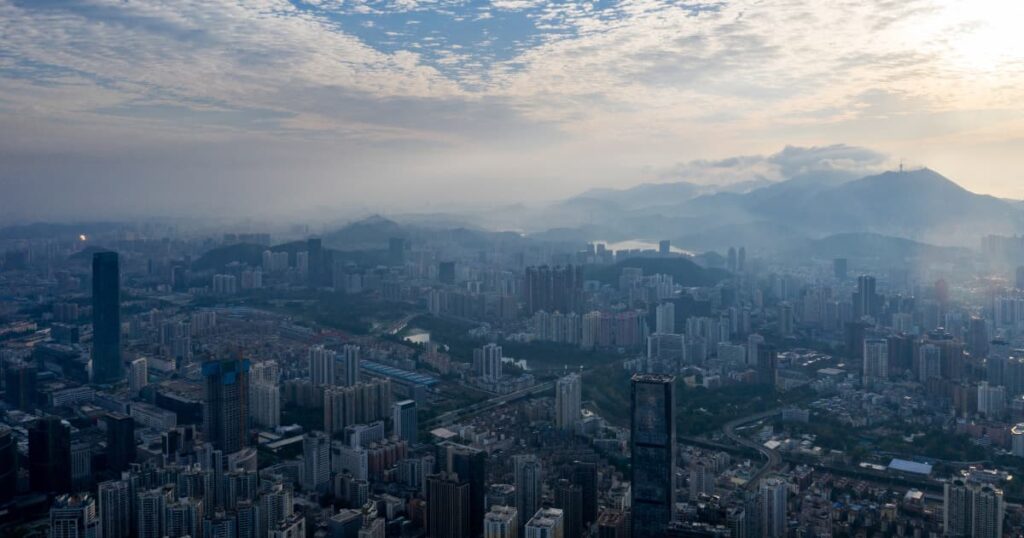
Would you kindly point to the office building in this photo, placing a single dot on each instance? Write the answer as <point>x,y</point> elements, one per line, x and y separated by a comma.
<point>120,441</point>
<point>226,404</point>
<point>527,470</point>
<point>405,420</point>
<point>568,398</point>
<point>49,455</point>
<point>653,453</point>
<point>448,506</point>
<point>8,464</point>
<point>469,465</point>
<point>107,367</point>
<point>20,382</point>
<point>569,499</point>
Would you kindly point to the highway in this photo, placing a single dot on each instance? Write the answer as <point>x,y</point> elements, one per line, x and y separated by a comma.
<point>451,417</point>
<point>772,457</point>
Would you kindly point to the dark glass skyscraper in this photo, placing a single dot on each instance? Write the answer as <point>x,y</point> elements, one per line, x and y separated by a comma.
<point>226,406</point>
<point>106,319</point>
<point>8,464</point>
<point>470,466</point>
<point>120,441</point>
<point>49,455</point>
<point>653,449</point>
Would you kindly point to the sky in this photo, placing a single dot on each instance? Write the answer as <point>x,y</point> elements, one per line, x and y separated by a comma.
<point>305,108</point>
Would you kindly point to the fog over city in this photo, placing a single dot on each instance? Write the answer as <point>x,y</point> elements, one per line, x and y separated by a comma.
<point>113,109</point>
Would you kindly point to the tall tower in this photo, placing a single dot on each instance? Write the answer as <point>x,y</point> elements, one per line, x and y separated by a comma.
<point>773,498</point>
<point>405,420</point>
<point>653,449</point>
<point>528,485</point>
<point>120,441</point>
<point>115,509</point>
<point>568,396</point>
<point>106,319</point>
<point>470,466</point>
<point>448,507</point>
<point>49,455</point>
<point>226,407</point>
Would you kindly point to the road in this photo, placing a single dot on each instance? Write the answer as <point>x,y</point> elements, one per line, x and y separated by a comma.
<point>772,457</point>
<point>451,417</point>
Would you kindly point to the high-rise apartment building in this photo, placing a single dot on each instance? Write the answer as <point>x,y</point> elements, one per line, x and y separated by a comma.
<point>568,398</point>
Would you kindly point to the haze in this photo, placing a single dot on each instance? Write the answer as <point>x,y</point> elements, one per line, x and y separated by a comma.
<point>112,109</point>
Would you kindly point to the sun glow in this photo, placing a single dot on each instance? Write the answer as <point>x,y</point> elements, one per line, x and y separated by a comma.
<point>983,35</point>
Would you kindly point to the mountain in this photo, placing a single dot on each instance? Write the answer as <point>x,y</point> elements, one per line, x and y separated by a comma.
<point>373,232</point>
<point>922,205</point>
<point>643,195</point>
<point>869,246</point>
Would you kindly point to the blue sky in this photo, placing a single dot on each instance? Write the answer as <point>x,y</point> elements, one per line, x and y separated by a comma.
<point>138,107</point>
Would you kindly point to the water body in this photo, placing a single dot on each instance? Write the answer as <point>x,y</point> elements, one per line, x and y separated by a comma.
<point>417,336</point>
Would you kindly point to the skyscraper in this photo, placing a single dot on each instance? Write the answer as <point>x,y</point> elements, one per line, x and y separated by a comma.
<point>120,441</point>
<point>49,455</point>
<point>114,509</point>
<point>106,319</point>
<point>350,365</point>
<point>405,421</point>
<point>448,507</point>
<point>568,396</point>
<point>469,465</point>
<point>501,522</point>
<point>866,301</point>
<point>528,484</point>
<point>74,516</point>
<point>554,289</point>
<point>8,464</point>
<point>316,461</point>
<point>546,523</point>
<point>652,444</point>
<point>487,361</point>
<point>584,474</point>
<point>665,318</point>
<point>226,406</point>
<point>569,499</point>
<point>322,366</point>
<point>138,374</point>
<point>876,360</point>
<point>773,498</point>
<point>265,394</point>
<point>20,380</point>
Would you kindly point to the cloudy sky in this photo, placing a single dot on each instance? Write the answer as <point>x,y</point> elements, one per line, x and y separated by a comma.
<point>112,108</point>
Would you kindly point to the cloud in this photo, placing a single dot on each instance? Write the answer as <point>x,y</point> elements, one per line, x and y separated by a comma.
<point>789,163</point>
<point>538,99</point>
